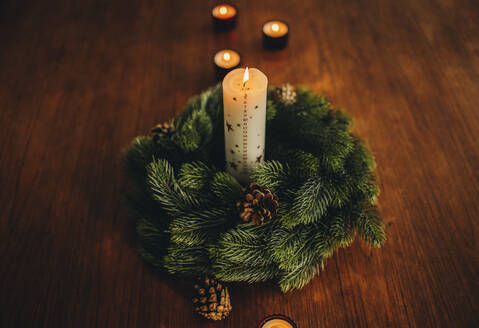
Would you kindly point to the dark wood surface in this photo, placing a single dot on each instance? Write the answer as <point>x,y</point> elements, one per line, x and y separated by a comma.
<point>80,79</point>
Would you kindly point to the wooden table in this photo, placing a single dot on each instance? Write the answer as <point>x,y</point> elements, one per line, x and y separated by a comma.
<point>80,79</point>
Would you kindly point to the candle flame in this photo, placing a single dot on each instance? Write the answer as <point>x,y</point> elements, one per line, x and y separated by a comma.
<point>245,76</point>
<point>223,10</point>
<point>226,56</point>
<point>275,27</point>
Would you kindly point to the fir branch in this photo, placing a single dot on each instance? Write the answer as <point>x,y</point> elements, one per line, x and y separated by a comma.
<point>272,174</point>
<point>324,244</point>
<point>227,271</point>
<point>190,239</point>
<point>148,231</point>
<point>194,132</point>
<point>243,244</point>
<point>187,260</point>
<point>342,231</point>
<point>302,274</point>
<point>153,241</point>
<point>371,228</point>
<point>137,155</point>
<point>195,176</point>
<point>305,165</point>
<point>214,103</point>
<point>165,189</point>
<point>226,188</point>
<point>141,204</point>
<point>195,220</point>
<point>310,99</point>
<point>310,204</point>
<point>286,244</point>
<point>151,257</point>
<point>270,110</point>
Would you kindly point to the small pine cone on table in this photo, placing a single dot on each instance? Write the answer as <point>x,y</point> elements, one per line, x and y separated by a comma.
<point>212,299</point>
<point>162,130</point>
<point>285,94</point>
<point>258,204</point>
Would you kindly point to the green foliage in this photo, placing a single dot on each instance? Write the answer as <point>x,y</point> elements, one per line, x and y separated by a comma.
<point>272,174</point>
<point>240,254</point>
<point>371,228</point>
<point>226,188</point>
<point>138,155</point>
<point>165,189</point>
<point>194,132</point>
<point>270,110</point>
<point>186,204</point>
<point>310,203</point>
<point>152,239</point>
<point>195,176</point>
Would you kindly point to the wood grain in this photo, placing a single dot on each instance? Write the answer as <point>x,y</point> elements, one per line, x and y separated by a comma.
<point>80,79</point>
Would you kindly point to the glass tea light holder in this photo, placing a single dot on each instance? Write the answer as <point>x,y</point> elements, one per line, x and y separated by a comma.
<point>224,61</point>
<point>275,34</point>
<point>224,16</point>
<point>277,321</point>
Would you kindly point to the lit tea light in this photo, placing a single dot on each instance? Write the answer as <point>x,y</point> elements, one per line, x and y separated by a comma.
<point>275,34</point>
<point>225,61</point>
<point>224,16</point>
<point>277,321</point>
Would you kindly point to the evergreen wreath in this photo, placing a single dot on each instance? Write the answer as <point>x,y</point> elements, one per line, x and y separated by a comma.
<point>191,214</point>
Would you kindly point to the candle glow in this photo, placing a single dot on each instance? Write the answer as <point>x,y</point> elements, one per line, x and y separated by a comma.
<point>226,59</point>
<point>245,76</point>
<point>224,16</point>
<point>277,323</point>
<point>275,34</point>
<point>275,29</point>
<point>224,11</point>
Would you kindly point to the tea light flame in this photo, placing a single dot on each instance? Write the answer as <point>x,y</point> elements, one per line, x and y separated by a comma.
<point>245,76</point>
<point>223,10</point>
<point>277,323</point>
<point>275,27</point>
<point>226,56</point>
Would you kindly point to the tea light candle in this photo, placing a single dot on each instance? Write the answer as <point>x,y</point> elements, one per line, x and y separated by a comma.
<point>244,100</point>
<point>224,16</point>
<point>277,321</point>
<point>225,61</point>
<point>275,34</point>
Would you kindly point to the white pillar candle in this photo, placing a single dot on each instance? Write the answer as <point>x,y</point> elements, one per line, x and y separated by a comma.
<point>244,100</point>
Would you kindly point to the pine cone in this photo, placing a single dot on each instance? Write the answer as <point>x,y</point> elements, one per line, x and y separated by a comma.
<point>162,130</point>
<point>285,94</point>
<point>259,204</point>
<point>212,300</point>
